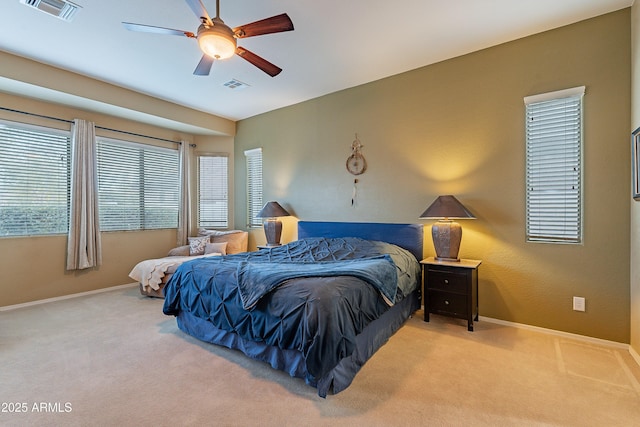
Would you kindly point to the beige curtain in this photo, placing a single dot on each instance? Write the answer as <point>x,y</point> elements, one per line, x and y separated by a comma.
<point>184,213</point>
<point>83,243</point>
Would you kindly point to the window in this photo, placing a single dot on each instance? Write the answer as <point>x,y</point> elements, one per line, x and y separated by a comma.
<point>254,186</point>
<point>554,166</point>
<point>34,180</point>
<point>213,191</point>
<point>138,186</point>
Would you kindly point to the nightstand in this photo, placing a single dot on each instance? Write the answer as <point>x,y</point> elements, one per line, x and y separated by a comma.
<point>451,289</point>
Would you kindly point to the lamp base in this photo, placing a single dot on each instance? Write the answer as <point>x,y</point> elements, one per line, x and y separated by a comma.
<point>273,231</point>
<point>446,236</point>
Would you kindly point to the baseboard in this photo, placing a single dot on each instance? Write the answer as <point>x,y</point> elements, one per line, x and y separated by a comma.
<point>578,337</point>
<point>64,297</point>
<point>634,354</point>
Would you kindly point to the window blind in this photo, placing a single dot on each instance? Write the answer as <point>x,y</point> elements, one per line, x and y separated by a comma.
<point>34,180</point>
<point>213,191</point>
<point>554,167</point>
<point>254,186</point>
<point>138,186</point>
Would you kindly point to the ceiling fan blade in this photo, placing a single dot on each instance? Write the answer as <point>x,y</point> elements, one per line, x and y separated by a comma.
<point>204,66</point>
<point>275,24</point>
<point>259,62</point>
<point>200,11</point>
<point>158,30</point>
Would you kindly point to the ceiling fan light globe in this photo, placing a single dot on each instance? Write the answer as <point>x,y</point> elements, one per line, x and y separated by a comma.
<point>217,43</point>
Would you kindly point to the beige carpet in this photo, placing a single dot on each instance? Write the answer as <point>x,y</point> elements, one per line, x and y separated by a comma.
<point>113,359</point>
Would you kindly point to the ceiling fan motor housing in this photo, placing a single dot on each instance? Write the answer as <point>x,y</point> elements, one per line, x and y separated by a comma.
<point>217,41</point>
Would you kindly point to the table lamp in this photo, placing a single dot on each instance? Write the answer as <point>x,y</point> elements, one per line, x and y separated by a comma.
<point>272,225</point>
<point>446,233</point>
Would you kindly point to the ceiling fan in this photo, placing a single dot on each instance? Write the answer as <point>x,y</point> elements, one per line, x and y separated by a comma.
<point>218,41</point>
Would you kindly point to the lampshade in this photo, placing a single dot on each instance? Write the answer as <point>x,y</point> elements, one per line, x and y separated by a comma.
<point>272,225</point>
<point>446,207</point>
<point>217,41</point>
<point>272,210</point>
<point>446,234</point>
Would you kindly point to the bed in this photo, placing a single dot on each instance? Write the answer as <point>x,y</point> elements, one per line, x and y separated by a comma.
<point>317,308</point>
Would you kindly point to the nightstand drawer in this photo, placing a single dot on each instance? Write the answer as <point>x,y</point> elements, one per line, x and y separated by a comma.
<point>449,304</point>
<point>448,281</point>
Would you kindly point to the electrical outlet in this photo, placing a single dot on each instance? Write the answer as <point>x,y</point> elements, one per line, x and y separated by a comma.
<point>578,303</point>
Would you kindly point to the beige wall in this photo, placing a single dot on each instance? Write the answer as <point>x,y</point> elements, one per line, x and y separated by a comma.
<point>34,267</point>
<point>456,127</point>
<point>635,206</point>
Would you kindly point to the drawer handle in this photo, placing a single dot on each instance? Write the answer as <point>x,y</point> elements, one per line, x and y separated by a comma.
<point>446,281</point>
<point>446,302</point>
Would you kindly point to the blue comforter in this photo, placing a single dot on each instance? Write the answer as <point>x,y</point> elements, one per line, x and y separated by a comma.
<point>257,279</point>
<point>298,307</point>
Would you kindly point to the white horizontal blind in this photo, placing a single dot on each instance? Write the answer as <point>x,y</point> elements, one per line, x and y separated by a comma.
<point>213,191</point>
<point>138,186</point>
<point>554,167</point>
<point>34,180</point>
<point>254,186</point>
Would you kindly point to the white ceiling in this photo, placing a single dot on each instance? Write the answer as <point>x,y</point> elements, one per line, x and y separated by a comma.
<point>336,44</point>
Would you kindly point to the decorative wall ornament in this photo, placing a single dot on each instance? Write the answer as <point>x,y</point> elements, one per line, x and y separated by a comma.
<point>356,165</point>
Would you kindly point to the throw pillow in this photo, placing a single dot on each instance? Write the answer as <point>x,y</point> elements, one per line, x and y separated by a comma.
<point>197,245</point>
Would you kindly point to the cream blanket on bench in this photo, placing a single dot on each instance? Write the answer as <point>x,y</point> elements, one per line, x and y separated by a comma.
<point>151,271</point>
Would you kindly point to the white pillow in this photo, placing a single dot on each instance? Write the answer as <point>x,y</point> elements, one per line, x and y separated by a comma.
<point>216,248</point>
<point>205,232</point>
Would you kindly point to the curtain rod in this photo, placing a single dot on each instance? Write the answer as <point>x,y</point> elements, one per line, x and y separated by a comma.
<point>97,127</point>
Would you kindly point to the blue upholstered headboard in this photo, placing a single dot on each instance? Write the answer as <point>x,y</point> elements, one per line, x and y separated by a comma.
<point>408,236</point>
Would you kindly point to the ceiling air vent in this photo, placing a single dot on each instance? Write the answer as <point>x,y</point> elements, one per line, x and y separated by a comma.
<point>62,9</point>
<point>236,84</point>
